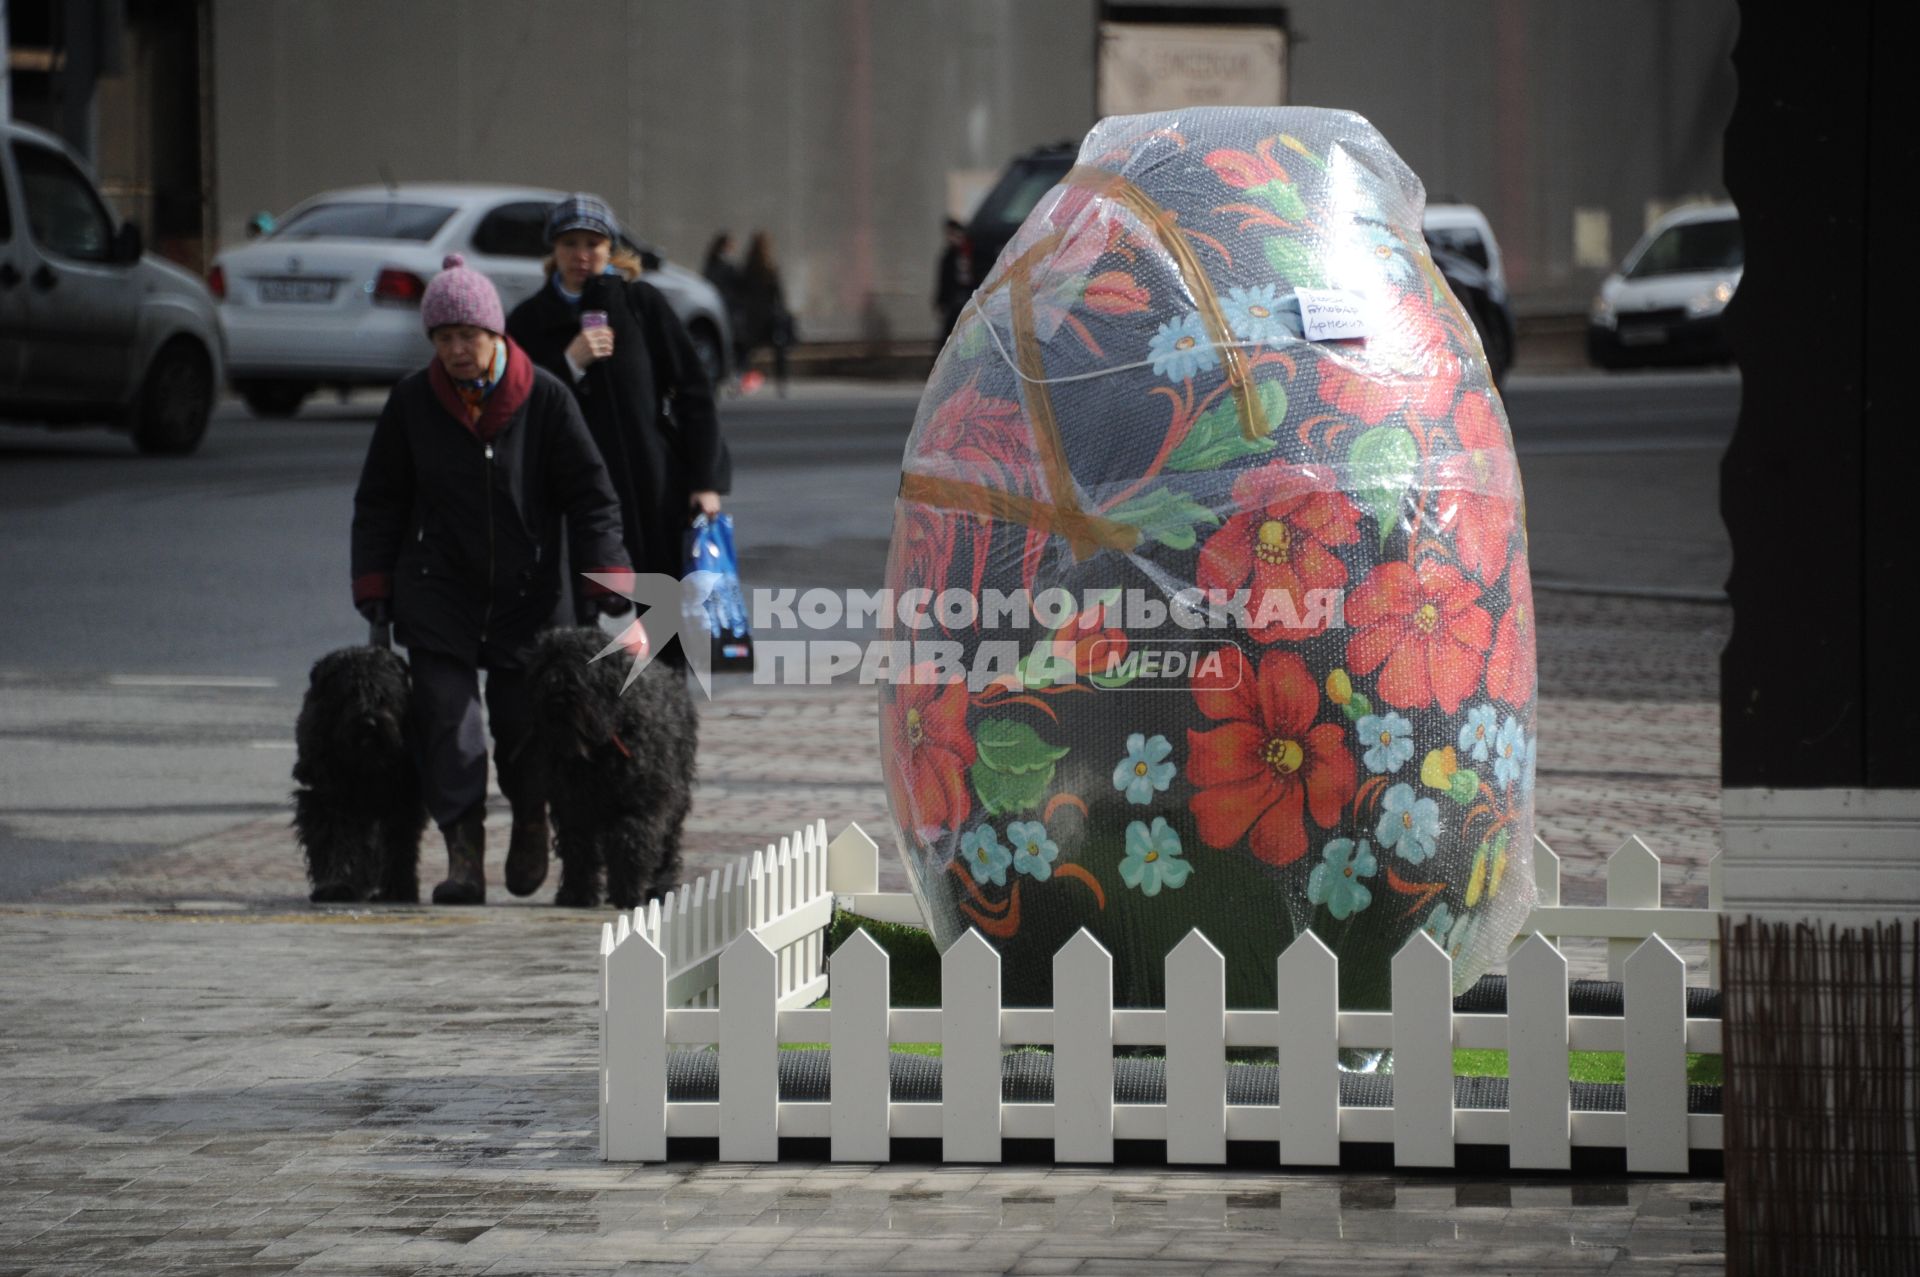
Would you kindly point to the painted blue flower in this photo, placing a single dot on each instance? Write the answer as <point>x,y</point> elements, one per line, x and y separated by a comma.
<point>1438,924</point>
<point>1476,735</point>
<point>1509,752</point>
<point>985,857</point>
<point>1389,741</point>
<point>1182,348</point>
<point>1526,771</point>
<point>1145,770</point>
<point>1389,250</point>
<point>1408,824</point>
<point>1463,936</point>
<point>1153,858</point>
<point>1258,315</point>
<point>1033,852</point>
<point>1336,884</point>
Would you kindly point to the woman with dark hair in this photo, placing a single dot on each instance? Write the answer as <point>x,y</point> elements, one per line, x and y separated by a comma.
<point>764,316</point>
<point>719,270</point>
<point>612,338</point>
<point>474,464</point>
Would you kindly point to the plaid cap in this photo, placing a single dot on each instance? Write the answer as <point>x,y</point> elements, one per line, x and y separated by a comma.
<point>582,212</point>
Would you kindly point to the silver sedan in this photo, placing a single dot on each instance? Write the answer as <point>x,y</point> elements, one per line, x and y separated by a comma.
<point>331,296</point>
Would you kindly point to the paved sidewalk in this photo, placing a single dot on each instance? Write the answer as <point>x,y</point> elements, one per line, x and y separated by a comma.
<point>204,1075</point>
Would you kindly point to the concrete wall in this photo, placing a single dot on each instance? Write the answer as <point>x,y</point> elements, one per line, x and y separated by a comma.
<point>847,128</point>
<point>833,124</point>
<point>1533,109</point>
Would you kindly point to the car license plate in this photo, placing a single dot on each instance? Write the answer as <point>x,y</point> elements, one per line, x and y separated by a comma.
<point>1642,336</point>
<point>296,290</point>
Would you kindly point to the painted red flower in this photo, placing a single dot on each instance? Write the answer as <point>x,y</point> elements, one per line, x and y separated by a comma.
<point>1510,670</point>
<point>1115,292</point>
<point>1267,766</point>
<point>988,442</point>
<point>926,749</point>
<point>1476,490</point>
<point>1244,170</point>
<point>1279,542</point>
<point>1423,629</point>
<point>1409,363</point>
<point>1094,638</point>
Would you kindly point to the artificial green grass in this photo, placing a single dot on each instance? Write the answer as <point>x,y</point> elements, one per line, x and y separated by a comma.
<point>913,978</point>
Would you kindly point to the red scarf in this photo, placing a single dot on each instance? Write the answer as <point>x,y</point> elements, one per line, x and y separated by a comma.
<point>489,416</point>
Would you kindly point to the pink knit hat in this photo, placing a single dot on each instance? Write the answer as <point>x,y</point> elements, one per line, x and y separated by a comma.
<point>460,295</point>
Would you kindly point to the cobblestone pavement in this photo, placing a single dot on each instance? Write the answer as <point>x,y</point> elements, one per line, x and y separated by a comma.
<point>204,1075</point>
<point>254,1093</point>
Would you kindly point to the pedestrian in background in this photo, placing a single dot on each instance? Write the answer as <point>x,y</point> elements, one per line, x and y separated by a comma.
<point>612,338</point>
<point>725,278</point>
<point>953,280</point>
<point>763,305</point>
<point>457,529</point>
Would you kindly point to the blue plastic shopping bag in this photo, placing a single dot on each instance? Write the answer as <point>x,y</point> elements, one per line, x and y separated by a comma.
<point>718,604</point>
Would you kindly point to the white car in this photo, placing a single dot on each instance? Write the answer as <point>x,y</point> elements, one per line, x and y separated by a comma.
<point>1664,305</point>
<point>92,330</point>
<point>331,296</point>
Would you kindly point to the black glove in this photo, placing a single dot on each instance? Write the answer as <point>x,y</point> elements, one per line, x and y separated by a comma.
<point>610,604</point>
<point>377,611</point>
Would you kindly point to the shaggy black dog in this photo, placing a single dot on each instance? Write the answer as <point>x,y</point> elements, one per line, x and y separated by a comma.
<point>358,813</point>
<point>617,767</point>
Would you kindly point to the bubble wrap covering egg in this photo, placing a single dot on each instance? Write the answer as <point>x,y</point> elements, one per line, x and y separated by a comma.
<point>1278,671</point>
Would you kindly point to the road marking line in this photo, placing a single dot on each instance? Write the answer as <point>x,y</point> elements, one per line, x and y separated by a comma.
<point>271,744</point>
<point>190,680</point>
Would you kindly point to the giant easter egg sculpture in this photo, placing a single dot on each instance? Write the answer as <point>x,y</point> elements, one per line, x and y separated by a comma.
<point>1218,457</point>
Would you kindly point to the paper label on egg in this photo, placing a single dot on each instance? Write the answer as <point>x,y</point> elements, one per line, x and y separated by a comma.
<point>1331,314</point>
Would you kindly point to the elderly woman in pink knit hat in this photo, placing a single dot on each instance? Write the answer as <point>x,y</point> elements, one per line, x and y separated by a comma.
<point>476,463</point>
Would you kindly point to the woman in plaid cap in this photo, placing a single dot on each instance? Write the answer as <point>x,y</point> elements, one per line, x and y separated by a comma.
<point>612,338</point>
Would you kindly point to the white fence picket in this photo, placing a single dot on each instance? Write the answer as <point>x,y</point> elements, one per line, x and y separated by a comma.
<point>1633,882</point>
<point>1422,1054</point>
<point>853,863</point>
<point>970,1051</point>
<point>1196,1053</point>
<point>1716,902</point>
<point>1656,1031</point>
<point>1538,1123</point>
<point>749,1053</point>
<point>1083,1051</point>
<point>862,1086</point>
<point>633,1075</point>
<point>1309,981</point>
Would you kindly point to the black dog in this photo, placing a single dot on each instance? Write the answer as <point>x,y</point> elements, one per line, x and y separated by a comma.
<point>358,813</point>
<point>617,767</point>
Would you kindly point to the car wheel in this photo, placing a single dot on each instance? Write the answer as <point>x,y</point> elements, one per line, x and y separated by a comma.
<point>170,417</point>
<point>274,399</point>
<point>706,344</point>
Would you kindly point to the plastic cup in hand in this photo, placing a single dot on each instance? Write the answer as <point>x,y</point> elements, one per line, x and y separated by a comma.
<point>592,319</point>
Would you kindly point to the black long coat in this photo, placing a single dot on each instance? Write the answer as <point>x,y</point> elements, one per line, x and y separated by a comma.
<point>464,534</point>
<point>656,459</point>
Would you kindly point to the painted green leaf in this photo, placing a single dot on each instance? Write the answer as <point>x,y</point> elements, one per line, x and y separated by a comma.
<point>1217,438</point>
<point>1294,261</point>
<point>1283,198</point>
<point>1382,464</point>
<point>1004,792</point>
<point>1358,707</point>
<point>1166,516</point>
<point>1010,746</point>
<point>1465,786</point>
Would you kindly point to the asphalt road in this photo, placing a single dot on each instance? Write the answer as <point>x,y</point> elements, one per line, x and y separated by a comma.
<point>161,614</point>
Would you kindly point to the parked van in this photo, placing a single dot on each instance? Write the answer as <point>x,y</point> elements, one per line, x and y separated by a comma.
<point>93,331</point>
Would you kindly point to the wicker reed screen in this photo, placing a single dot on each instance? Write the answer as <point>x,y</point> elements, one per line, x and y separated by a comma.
<point>1821,1097</point>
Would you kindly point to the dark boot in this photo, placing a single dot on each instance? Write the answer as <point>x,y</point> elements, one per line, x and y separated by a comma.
<point>527,853</point>
<point>466,882</point>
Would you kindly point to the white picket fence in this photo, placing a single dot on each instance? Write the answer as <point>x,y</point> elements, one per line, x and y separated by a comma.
<point>682,953</point>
